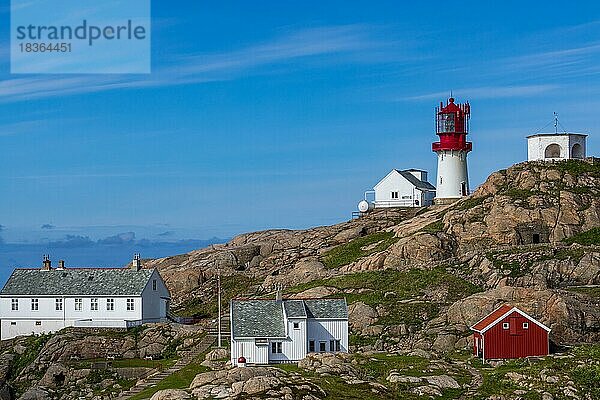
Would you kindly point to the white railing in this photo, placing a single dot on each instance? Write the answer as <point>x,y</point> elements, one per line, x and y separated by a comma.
<point>396,203</point>
<point>105,323</point>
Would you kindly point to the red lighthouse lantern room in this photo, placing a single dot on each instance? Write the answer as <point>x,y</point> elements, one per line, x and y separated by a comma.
<point>452,126</point>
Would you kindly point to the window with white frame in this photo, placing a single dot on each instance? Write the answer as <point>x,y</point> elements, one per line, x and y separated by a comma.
<point>94,304</point>
<point>322,347</point>
<point>154,284</point>
<point>38,323</point>
<point>311,346</point>
<point>130,304</point>
<point>334,345</point>
<point>525,325</point>
<point>110,304</point>
<point>35,304</point>
<point>58,304</point>
<point>394,195</point>
<point>14,304</point>
<point>505,325</point>
<point>276,347</point>
<point>296,325</point>
<point>78,304</point>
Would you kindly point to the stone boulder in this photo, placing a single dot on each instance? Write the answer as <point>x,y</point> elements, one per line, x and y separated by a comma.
<point>171,394</point>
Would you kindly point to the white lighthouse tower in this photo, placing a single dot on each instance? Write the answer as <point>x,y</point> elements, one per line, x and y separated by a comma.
<point>452,125</point>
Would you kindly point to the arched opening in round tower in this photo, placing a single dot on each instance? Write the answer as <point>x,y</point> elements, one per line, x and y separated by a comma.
<point>577,151</point>
<point>552,151</point>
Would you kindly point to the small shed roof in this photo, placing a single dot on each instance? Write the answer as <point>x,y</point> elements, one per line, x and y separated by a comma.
<point>500,313</point>
<point>265,318</point>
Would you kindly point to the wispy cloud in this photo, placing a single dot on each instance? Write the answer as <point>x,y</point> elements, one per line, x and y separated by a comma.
<point>331,41</point>
<point>488,92</point>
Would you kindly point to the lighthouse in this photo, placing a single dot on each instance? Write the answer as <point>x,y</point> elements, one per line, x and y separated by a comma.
<point>452,126</point>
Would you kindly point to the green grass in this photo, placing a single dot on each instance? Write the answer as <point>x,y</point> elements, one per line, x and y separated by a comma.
<point>434,227</point>
<point>469,203</point>
<point>586,238</point>
<point>33,346</point>
<point>399,286</point>
<point>347,253</point>
<point>576,167</point>
<point>179,380</point>
<point>588,291</point>
<point>232,286</point>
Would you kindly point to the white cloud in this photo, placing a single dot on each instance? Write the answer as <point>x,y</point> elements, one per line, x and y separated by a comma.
<point>188,69</point>
<point>488,92</point>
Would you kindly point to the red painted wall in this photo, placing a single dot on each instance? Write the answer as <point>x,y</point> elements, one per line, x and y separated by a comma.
<point>515,342</point>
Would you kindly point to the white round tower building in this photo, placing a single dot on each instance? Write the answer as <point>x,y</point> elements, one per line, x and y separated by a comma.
<point>452,125</point>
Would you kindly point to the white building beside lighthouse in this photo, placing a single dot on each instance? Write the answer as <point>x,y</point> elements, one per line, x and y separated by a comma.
<point>452,125</point>
<point>556,146</point>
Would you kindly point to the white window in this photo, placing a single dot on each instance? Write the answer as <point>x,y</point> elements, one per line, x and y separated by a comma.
<point>261,342</point>
<point>130,304</point>
<point>13,322</point>
<point>311,346</point>
<point>94,304</point>
<point>322,347</point>
<point>276,347</point>
<point>35,305</point>
<point>296,325</point>
<point>38,323</point>
<point>58,304</point>
<point>525,325</point>
<point>78,304</point>
<point>337,345</point>
<point>334,345</point>
<point>14,304</point>
<point>110,304</point>
<point>394,195</point>
<point>406,197</point>
<point>505,325</point>
<point>154,284</point>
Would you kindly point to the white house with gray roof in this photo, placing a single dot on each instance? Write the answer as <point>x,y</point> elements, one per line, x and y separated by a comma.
<point>404,188</point>
<point>280,331</point>
<point>35,301</point>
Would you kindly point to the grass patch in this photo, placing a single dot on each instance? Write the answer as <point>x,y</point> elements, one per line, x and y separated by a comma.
<point>576,167</point>
<point>33,346</point>
<point>232,286</point>
<point>391,289</point>
<point>347,253</point>
<point>469,203</point>
<point>179,380</point>
<point>434,227</point>
<point>586,238</point>
<point>588,291</point>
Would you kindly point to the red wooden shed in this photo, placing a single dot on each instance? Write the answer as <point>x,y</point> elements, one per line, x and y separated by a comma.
<point>510,333</point>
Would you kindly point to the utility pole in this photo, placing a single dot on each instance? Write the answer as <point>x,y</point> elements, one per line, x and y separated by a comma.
<point>219,305</point>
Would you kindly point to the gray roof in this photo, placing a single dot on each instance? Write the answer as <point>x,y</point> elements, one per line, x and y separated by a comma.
<point>265,319</point>
<point>257,318</point>
<point>77,282</point>
<point>416,182</point>
<point>326,308</point>
<point>557,134</point>
<point>294,309</point>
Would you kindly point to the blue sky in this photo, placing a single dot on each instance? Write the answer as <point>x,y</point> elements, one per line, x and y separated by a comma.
<point>281,114</point>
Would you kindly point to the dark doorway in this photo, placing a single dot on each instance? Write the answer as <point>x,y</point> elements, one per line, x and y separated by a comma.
<point>536,238</point>
<point>463,188</point>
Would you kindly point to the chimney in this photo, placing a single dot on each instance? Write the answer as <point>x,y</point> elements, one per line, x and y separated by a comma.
<point>47,264</point>
<point>137,262</point>
<point>61,265</point>
<point>278,296</point>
